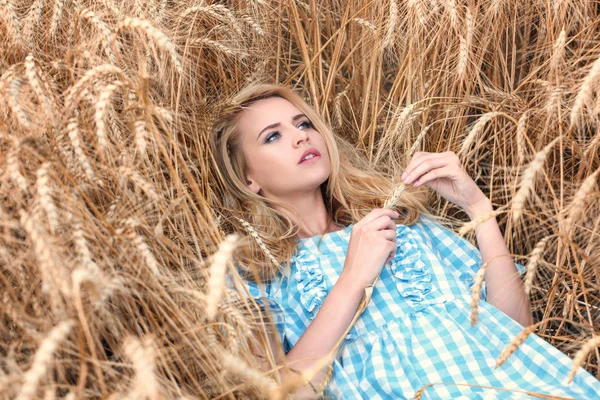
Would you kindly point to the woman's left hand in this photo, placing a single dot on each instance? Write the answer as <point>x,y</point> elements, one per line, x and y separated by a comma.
<point>444,173</point>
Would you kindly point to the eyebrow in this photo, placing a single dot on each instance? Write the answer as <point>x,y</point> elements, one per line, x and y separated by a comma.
<point>276,124</point>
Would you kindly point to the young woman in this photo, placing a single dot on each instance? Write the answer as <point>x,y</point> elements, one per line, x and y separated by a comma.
<point>318,208</point>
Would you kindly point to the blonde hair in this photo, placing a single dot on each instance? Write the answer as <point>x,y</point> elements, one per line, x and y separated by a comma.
<point>353,189</point>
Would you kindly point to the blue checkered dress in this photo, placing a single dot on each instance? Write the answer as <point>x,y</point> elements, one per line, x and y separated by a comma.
<point>416,329</point>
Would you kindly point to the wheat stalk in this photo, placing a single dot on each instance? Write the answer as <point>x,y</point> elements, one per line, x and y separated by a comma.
<point>218,270</point>
<point>588,346</point>
<point>42,358</point>
<point>418,141</point>
<point>528,179</point>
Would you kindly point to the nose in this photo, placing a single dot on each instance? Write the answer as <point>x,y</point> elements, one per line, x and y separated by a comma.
<point>301,135</point>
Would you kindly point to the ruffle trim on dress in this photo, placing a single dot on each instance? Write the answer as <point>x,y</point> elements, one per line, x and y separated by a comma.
<point>311,283</point>
<point>413,275</point>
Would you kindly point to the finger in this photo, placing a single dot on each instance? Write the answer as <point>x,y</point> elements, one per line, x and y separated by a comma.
<point>425,166</point>
<point>417,160</point>
<point>383,222</point>
<point>389,234</point>
<point>377,213</point>
<point>430,176</point>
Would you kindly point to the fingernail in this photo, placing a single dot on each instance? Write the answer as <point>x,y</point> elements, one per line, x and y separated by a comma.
<point>407,179</point>
<point>403,175</point>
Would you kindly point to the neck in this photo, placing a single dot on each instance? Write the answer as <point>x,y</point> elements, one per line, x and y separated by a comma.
<point>314,217</point>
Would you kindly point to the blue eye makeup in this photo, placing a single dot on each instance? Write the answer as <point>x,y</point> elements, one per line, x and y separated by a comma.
<point>306,124</point>
<point>268,139</point>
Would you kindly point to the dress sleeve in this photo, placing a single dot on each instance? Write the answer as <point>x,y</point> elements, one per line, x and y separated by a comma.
<point>458,253</point>
<point>262,294</point>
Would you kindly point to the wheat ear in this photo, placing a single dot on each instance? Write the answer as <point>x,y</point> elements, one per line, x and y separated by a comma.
<point>585,92</point>
<point>45,195</point>
<point>465,45</point>
<point>521,132</point>
<point>218,270</point>
<point>476,293</point>
<point>528,180</point>
<point>393,199</point>
<point>32,75</point>
<point>161,40</point>
<point>582,354</point>
<point>534,259</point>
<point>259,241</point>
<point>143,357</point>
<point>558,51</point>
<point>14,90</point>
<point>476,130</point>
<point>42,358</point>
<point>581,198</point>
<point>59,6</point>
<point>140,244</point>
<point>107,36</point>
<point>73,133</point>
<point>250,375</point>
<point>467,227</point>
<point>391,26</point>
<point>514,344</point>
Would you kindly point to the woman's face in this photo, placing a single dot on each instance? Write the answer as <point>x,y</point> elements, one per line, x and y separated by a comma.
<point>274,138</point>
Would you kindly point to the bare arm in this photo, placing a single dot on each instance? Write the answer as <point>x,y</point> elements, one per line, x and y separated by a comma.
<point>503,282</point>
<point>320,337</point>
<point>324,332</point>
<point>372,243</point>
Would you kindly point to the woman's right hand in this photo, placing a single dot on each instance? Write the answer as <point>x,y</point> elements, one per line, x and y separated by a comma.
<point>372,244</point>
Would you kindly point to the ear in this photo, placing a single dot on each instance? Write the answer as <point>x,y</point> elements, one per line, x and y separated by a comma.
<point>252,185</point>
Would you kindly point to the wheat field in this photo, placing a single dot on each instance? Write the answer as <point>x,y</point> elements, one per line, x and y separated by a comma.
<point>112,260</point>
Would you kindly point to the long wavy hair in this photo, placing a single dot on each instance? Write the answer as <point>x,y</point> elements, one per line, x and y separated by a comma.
<point>353,189</point>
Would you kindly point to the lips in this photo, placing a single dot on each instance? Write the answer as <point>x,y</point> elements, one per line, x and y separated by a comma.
<point>312,150</point>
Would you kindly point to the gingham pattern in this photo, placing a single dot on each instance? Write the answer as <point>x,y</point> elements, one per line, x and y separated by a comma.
<point>416,329</point>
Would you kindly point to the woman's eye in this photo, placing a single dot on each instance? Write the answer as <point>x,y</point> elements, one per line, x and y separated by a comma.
<point>306,124</point>
<point>270,136</point>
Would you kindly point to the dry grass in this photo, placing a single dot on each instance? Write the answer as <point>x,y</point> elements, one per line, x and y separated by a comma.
<point>107,201</point>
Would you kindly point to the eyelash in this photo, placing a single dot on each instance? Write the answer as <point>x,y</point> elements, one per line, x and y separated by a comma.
<point>267,140</point>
